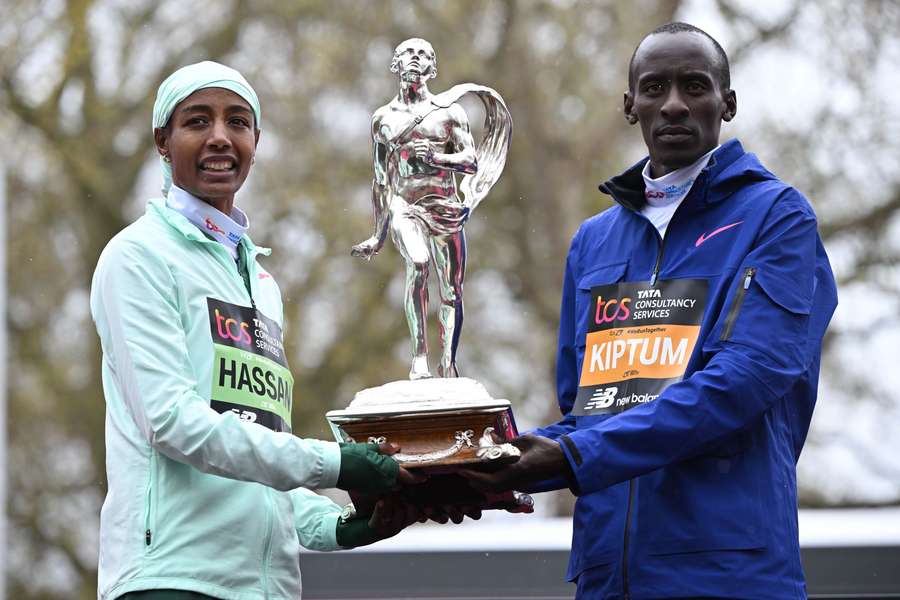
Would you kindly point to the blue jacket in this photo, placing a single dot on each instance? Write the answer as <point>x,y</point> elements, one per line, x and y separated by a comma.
<point>692,490</point>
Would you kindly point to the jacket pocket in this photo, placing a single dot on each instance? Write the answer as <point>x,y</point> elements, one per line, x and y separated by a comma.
<point>737,302</point>
<point>770,314</point>
<point>601,275</point>
<point>597,529</point>
<point>151,501</point>
<point>709,503</point>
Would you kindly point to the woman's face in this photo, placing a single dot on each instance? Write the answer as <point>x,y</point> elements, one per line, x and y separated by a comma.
<point>210,138</point>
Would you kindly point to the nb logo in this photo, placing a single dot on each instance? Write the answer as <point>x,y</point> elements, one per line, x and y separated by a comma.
<point>602,398</point>
<point>245,415</point>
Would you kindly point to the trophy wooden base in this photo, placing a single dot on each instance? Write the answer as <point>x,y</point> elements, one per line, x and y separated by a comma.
<point>436,422</point>
<point>440,425</point>
<point>432,439</point>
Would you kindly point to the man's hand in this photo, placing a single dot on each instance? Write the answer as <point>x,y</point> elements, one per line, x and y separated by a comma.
<point>387,517</point>
<point>450,512</point>
<point>542,458</point>
<point>424,151</point>
<point>369,469</point>
<point>366,249</point>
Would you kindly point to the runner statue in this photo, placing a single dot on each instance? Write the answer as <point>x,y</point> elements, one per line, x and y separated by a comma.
<point>421,141</point>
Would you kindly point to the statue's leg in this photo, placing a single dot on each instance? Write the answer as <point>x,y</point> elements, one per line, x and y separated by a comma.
<point>450,260</point>
<point>411,241</point>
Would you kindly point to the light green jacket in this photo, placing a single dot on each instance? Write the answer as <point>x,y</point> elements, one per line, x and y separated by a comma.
<point>199,499</point>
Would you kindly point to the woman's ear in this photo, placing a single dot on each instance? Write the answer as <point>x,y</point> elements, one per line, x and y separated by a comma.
<point>161,138</point>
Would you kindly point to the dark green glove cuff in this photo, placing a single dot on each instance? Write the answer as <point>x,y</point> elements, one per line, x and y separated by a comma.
<point>355,532</point>
<point>366,471</point>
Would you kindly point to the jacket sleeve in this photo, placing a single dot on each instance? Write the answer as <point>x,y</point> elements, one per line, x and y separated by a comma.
<point>134,302</point>
<point>767,347</point>
<point>315,518</point>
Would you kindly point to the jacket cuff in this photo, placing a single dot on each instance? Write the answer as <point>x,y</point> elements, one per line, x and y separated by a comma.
<point>331,464</point>
<point>573,455</point>
<point>329,533</point>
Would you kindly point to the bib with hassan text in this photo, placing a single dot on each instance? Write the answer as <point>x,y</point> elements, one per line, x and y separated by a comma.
<point>250,375</point>
<point>639,340</point>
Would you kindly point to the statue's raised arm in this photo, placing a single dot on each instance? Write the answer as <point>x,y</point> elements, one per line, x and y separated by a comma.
<point>370,247</point>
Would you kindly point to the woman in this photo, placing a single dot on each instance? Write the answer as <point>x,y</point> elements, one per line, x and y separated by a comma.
<point>197,389</point>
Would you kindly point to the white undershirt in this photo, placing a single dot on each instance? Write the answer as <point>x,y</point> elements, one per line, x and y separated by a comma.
<point>665,193</point>
<point>209,220</point>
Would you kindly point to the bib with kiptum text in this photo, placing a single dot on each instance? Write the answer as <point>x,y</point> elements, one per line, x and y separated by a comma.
<point>640,338</point>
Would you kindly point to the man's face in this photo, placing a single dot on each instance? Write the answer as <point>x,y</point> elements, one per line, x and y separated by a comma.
<point>415,60</point>
<point>677,99</point>
<point>211,138</point>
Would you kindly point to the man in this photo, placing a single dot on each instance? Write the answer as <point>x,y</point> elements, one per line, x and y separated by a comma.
<point>421,141</point>
<point>690,336</point>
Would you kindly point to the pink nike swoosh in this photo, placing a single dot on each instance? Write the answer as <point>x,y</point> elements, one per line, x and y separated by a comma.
<point>704,237</point>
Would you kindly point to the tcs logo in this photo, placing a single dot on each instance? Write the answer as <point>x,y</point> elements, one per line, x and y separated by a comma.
<point>611,310</point>
<point>232,329</point>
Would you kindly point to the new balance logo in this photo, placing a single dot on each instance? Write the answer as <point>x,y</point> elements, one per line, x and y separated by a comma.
<point>602,398</point>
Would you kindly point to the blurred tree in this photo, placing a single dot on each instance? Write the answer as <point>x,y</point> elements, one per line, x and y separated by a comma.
<point>78,81</point>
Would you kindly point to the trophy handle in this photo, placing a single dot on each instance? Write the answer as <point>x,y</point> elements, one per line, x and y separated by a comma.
<point>487,449</point>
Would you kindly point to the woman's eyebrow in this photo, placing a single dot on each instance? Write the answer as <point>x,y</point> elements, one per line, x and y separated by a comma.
<point>195,108</point>
<point>207,108</point>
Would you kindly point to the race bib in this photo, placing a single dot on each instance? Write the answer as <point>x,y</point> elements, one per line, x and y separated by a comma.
<point>640,338</point>
<point>250,375</point>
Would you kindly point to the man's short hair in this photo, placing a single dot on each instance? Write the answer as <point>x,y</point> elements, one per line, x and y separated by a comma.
<point>680,27</point>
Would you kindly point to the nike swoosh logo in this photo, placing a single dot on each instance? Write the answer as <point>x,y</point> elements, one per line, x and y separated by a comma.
<point>704,237</point>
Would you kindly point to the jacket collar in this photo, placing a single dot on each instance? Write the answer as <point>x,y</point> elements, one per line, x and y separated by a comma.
<point>627,189</point>
<point>190,231</point>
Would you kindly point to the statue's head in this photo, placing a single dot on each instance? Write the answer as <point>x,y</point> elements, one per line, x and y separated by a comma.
<point>415,60</point>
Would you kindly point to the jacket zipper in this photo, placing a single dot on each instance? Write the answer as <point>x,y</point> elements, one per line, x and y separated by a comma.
<point>654,277</point>
<point>736,303</point>
<point>267,547</point>
<point>625,541</point>
<point>151,498</point>
<point>662,246</point>
<point>244,272</point>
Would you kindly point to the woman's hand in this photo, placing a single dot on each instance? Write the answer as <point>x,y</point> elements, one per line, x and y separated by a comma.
<point>369,469</point>
<point>389,516</point>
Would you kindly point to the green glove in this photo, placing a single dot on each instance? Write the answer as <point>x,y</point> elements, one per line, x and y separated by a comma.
<point>366,471</point>
<point>354,531</point>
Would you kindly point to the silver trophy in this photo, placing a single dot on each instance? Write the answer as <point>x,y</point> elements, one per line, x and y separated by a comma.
<point>422,143</point>
<point>422,140</point>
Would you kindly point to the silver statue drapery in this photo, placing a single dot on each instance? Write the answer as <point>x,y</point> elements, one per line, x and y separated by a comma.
<point>421,141</point>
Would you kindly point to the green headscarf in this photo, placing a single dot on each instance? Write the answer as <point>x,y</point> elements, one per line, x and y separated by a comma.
<point>187,80</point>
